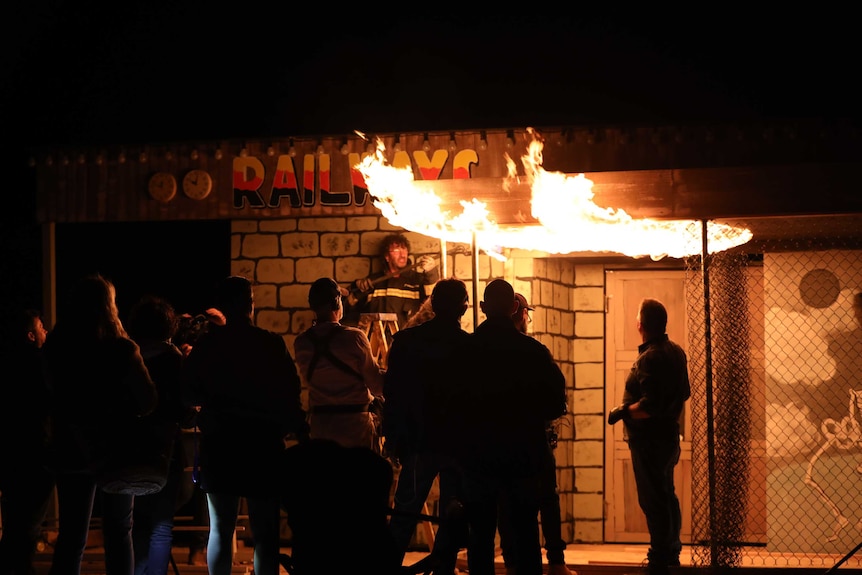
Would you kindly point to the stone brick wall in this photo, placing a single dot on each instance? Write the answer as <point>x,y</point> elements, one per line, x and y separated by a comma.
<point>569,320</point>
<point>284,256</point>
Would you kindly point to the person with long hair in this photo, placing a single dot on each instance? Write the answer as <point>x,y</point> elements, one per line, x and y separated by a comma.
<point>100,386</point>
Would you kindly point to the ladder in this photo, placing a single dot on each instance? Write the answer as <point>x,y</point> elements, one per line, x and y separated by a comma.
<point>379,327</point>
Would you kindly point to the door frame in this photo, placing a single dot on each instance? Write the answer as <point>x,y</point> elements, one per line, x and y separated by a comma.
<point>624,521</point>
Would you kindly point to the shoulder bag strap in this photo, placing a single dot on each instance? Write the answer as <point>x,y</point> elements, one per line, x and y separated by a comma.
<point>321,347</point>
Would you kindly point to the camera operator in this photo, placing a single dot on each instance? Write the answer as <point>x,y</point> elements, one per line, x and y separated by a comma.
<point>191,328</point>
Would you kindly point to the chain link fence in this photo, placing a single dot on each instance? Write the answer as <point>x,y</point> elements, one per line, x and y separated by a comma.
<point>775,357</point>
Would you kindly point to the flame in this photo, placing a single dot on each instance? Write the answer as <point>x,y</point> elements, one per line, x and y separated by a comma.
<point>569,219</point>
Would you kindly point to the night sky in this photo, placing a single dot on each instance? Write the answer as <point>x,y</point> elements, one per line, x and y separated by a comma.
<point>151,71</point>
<point>169,71</point>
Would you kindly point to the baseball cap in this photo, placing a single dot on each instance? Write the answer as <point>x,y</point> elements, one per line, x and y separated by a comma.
<point>522,302</point>
<point>323,292</point>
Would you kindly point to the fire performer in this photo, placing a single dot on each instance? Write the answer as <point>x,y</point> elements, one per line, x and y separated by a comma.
<point>399,288</point>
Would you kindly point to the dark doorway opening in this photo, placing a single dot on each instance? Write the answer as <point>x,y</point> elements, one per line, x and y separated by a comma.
<point>178,260</point>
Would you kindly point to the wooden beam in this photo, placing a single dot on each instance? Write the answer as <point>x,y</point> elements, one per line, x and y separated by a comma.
<point>707,193</point>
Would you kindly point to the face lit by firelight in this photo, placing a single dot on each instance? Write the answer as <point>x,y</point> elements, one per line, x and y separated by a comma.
<point>396,257</point>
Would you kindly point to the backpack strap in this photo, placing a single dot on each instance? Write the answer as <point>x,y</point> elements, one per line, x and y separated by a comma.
<point>321,348</point>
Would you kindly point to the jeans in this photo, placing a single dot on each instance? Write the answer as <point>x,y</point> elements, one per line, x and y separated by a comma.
<point>653,461</point>
<point>414,483</point>
<point>264,516</point>
<point>549,509</point>
<point>76,493</point>
<point>484,495</point>
<point>152,533</point>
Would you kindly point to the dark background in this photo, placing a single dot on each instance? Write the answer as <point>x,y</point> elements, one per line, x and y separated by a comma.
<point>180,261</point>
<point>134,71</point>
<point>79,73</point>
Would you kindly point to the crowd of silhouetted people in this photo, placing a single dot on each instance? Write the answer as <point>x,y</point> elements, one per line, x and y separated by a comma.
<point>360,449</point>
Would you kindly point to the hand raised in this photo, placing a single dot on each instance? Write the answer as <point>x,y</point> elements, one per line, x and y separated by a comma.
<point>426,264</point>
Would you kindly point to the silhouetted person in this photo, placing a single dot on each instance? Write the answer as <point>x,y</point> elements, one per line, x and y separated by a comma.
<point>193,499</point>
<point>26,480</point>
<point>336,499</point>
<point>512,389</point>
<point>341,372</point>
<point>398,288</point>
<point>421,360</point>
<point>245,382</point>
<point>100,387</point>
<point>549,502</point>
<point>152,323</point>
<point>657,388</point>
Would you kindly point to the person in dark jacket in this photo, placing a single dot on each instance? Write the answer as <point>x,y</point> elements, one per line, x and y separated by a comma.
<point>152,322</point>
<point>100,387</point>
<point>246,384</point>
<point>26,481</point>
<point>422,358</point>
<point>549,504</point>
<point>328,485</point>
<point>656,390</point>
<point>512,389</point>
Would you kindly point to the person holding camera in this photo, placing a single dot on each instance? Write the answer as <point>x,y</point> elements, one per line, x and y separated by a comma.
<point>245,382</point>
<point>342,374</point>
<point>656,390</point>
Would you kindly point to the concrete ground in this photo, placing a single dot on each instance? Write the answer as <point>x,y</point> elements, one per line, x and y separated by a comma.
<point>585,559</point>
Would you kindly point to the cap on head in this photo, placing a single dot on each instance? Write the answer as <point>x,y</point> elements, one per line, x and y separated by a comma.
<point>324,293</point>
<point>522,303</point>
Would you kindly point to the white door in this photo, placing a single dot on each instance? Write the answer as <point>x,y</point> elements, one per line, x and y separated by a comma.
<point>624,520</point>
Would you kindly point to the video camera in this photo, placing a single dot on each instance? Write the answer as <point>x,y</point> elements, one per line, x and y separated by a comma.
<point>190,328</point>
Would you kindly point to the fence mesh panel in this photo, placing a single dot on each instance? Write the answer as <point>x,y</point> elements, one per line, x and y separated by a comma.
<point>775,356</point>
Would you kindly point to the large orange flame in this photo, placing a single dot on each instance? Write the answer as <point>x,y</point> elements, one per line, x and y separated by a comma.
<point>569,219</point>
